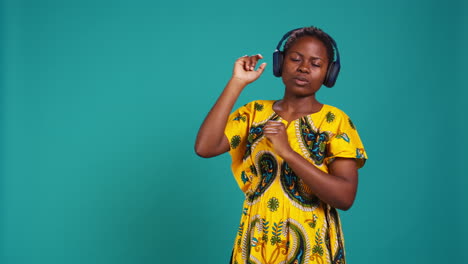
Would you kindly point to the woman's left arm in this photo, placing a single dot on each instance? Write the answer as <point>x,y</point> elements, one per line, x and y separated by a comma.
<point>336,188</point>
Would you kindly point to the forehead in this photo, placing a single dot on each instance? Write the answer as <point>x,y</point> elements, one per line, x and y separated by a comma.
<point>309,46</point>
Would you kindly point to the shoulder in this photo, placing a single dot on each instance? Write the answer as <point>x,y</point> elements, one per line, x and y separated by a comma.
<point>337,119</point>
<point>254,112</point>
<point>333,112</point>
<point>334,117</point>
<point>257,106</point>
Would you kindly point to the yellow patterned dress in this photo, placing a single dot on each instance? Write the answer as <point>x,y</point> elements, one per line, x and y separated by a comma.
<point>282,221</point>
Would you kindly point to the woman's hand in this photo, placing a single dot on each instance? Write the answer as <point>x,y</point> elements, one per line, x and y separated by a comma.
<point>275,131</point>
<point>244,68</point>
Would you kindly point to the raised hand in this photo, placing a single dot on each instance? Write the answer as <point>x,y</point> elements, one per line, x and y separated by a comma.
<point>244,68</point>
<point>211,140</point>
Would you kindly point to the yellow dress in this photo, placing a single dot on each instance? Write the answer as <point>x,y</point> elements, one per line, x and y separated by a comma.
<point>282,221</point>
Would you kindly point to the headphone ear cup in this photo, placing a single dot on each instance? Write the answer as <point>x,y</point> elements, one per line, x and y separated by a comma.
<point>332,74</point>
<point>277,63</point>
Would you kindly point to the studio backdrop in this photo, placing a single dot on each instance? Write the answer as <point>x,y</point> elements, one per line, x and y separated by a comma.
<point>101,102</point>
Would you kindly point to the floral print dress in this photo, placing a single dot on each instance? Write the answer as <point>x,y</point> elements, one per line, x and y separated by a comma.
<point>282,220</point>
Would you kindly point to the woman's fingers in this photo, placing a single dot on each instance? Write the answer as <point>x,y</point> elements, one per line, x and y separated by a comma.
<point>244,68</point>
<point>253,61</point>
<point>272,123</point>
<point>261,68</point>
<point>273,127</point>
<point>249,62</point>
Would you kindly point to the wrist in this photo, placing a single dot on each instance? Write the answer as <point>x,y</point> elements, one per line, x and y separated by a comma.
<point>287,154</point>
<point>238,81</point>
<point>234,87</point>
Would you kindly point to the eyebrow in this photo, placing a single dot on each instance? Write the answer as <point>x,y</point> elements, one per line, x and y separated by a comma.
<point>315,58</point>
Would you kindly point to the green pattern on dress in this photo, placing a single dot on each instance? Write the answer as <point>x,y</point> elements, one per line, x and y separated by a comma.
<point>318,249</point>
<point>253,170</point>
<point>244,177</point>
<point>258,107</point>
<point>273,204</point>
<point>312,222</point>
<point>343,136</point>
<point>330,117</point>
<point>235,141</point>
<point>267,168</point>
<point>255,134</point>
<point>243,118</point>
<point>245,210</point>
<point>351,123</point>
<point>314,140</point>
<point>260,244</point>
<point>276,232</point>
<point>240,232</point>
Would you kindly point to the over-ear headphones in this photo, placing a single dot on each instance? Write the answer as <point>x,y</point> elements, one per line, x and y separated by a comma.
<point>333,67</point>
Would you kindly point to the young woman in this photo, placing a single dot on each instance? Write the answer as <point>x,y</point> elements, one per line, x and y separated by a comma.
<point>295,159</point>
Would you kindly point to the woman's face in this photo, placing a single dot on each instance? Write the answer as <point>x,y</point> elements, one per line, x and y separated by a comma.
<point>305,66</point>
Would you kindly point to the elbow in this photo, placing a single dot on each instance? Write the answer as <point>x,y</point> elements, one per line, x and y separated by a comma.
<point>345,207</point>
<point>345,199</point>
<point>203,152</point>
<point>208,150</point>
<point>346,204</point>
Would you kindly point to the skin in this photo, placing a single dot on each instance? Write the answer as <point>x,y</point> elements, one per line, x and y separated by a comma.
<point>304,69</point>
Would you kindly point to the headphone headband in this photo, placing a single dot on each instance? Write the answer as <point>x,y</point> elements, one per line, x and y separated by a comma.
<point>285,37</point>
<point>336,49</point>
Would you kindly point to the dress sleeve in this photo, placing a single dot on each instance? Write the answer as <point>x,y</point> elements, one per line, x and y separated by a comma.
<point>237,131</point>
<point>346,143</point>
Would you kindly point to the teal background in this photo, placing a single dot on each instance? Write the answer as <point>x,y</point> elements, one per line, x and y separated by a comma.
<point>101,102</point>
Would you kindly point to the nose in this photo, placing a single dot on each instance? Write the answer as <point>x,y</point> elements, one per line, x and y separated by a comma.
<point>303,68</point>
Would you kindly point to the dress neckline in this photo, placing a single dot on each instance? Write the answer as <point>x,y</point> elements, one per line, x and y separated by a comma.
<point>292,121</point>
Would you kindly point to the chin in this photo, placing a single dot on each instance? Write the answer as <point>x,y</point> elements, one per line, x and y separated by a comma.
<point>301,91</point>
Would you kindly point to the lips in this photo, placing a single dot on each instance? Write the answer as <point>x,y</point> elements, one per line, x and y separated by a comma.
<point>301,81</point>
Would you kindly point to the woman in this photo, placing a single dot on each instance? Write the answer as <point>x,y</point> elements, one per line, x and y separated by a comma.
<point>295,159</point>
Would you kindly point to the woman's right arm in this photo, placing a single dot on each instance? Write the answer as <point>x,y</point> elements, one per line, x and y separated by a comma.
<point>211,140</point>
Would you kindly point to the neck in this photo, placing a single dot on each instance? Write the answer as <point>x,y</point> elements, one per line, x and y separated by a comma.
<point>295,104</point>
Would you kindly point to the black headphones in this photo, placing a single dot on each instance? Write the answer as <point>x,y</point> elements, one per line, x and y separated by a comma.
<point>333,67</point>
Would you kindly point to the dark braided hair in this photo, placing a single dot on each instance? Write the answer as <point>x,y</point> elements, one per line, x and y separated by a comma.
<point>312,32</point>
